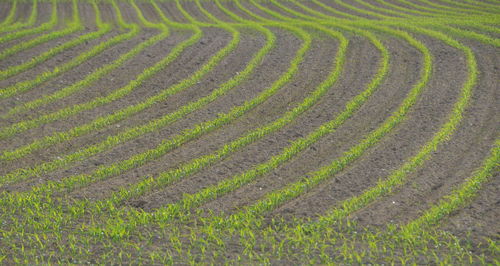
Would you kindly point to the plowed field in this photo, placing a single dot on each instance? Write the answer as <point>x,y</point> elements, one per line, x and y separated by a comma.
<point>249,132</point>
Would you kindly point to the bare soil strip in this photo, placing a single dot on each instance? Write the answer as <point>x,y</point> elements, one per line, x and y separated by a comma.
<point>215,10</point>
<point>427,115</point>
<point>255,10</point>
<point>345,9</point>
<point>263,77</point>
<point>171,11</point>
<point>331,146</point>
<point>103,86</point>
<point>190,60</point>
<point>305,81</point>
<point>479,220</point>
<point>59,59</point>
<point>5,8</point>
<point>195,12</point>
<point>455,161</point>
<point>87,15</point>
<point>24,11</point>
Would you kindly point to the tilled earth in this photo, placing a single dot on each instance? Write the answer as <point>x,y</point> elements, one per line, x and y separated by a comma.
<point>455,160</point>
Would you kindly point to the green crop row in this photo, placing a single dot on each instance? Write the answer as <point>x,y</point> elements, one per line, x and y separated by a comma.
<point>188,134</point>
<point>416,239</point>
<point>293,190</point>
<point>74,26</point>
<point>10,17</point>
<point>170,176</point>
<point>46,225</point>
<point>429,21</point>
<point>267,48</point>
<point>8,24</point>
<point>461,195</point>
<point>252,211</point>
<point>398,177</point>
<point>98,74</point>
<point>414,234</point>
<point>111,141</point>
<point>448,9</point>
<point>113,118</point>
<point>276,198</point>
<point>142,215</point>
<point>396,13</point>
<point>58,70</point>
<point>225,186</point>
<point>466,6</point>
<point>31,20</point>
<point>197,164</point>
<point>458,197</point>
<point>137,131</point>
<point>235,112</point>
<point>455,9</point>
<point>405,12</point>
<point>441,12</point>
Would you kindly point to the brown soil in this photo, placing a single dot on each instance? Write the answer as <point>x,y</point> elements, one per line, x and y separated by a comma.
<point>344,9</point>
<point>255,10</point>
<point>26,55</point>
<point>70,77</point>
<point>190,61</point>
<point>478,220</point>
<point>5,8</point>
<point>217,12</point>
<point>380,5</point>
<point>259,151</point>
<point>332,145</point>
<point>87,11</point>
<point>171,12</point>
<point>195,12</point>
<point>425,118</point>
<point>23,13</point>
<point>454,161</point>
<point>246,91</point>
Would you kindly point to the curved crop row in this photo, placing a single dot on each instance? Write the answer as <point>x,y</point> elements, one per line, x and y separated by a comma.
<point>427,22</point>
<point>225,186</point>
<point>45,76</point>
<point>460,196</point>
<point>274,199</point>
<point>187,135</point>
<point>74,26</point>
<point>31,20</point>
<point>98,74</point>
<point>188,202</point>
<point>9,18</point>
<point>19,25</point>
<point>398,177</point>
<point>200,129</point>
<point>122,114</point>
<point>48,220</point>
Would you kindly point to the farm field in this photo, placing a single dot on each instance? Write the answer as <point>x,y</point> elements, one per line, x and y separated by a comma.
<point>275,132</point>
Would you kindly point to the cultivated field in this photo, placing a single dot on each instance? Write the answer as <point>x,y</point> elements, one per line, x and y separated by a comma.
<point>249,131</point>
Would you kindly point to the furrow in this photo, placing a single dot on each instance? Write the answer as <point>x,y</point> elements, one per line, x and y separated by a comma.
<point>74,26</point>
<point>224,118</point>
<point>133,132</point>
<point>40,29</point>
<point>399,176</point>
<point>43,77</point>
<point>454,162</point>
